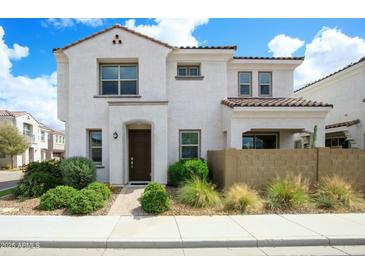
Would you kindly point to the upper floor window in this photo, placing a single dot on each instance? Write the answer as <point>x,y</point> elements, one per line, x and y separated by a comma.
<point>27,129</point>
<point>43,136</point>
<point>265,84</point>
<point>188,70</point>
<point>244,83</point>
<point>119,79</point>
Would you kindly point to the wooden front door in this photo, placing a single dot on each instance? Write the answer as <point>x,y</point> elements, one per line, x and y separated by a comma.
<point>139,154</point>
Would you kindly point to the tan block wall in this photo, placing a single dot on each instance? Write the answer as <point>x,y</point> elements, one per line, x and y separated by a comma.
<point>259,167</point>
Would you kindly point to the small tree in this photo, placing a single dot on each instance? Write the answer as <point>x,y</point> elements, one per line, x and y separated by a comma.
<point>11,141</point>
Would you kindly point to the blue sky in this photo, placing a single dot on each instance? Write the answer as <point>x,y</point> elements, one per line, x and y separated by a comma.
<point>328,44</point>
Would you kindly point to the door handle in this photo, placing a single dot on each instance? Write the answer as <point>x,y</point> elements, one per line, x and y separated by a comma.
<point>131,162</point>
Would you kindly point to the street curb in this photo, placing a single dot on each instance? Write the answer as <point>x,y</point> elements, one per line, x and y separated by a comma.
<point>101,243</point>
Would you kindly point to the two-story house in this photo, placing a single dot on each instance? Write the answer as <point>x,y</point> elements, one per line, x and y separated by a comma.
<point>345,89</point>
<point>38,136</point>
<point>135,105</point>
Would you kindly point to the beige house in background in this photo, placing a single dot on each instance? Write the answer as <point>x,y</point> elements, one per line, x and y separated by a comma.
<point>345,90</point>
<point>40,138</point>
<point>135,105</point>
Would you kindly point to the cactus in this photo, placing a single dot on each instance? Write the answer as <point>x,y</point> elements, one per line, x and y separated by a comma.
<point>313,137</point>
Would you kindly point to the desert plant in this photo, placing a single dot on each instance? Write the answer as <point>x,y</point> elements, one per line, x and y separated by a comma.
<point>12,142</point>
<point>78,172</point>
<point>154,186</point>
<point>58,197</point>
<point>241,197</point>
<point>185,170</point>
<point>36,184</point>
<point>335,192</point>
<point>96,198</point>
<point>155,200</point>
<point>51,167</point>
<point>80,204</point>
<point>287,193</point>
<point>102,188</point>
<point>198,193</point>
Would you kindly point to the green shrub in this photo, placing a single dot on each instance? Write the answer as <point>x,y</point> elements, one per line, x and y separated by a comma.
<point>287,193</point>
<point>241,197</point>
<point>198,193</point>
<point>155,201</point>
<point>51,167</point>
<point>185,170</point>
<point>80,204</point>
<point>58,197</point>
<point>154,186</point>
<point>101,188</point>
<point>36,183</point>
<point>335,192</point>
<point>78,172</point>
<point>96,198</point>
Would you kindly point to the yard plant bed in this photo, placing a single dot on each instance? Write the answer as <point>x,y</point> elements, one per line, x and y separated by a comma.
<point>181,209</point>
<point>12,206</point>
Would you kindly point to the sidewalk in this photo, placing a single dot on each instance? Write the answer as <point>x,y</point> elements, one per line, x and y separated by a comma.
<point>184,231</point>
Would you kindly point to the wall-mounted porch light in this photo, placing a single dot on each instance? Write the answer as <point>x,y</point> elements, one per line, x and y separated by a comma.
<point>115,135</point>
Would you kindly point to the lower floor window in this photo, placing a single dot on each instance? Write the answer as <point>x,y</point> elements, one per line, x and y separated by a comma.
<point>95,146</point>
<point>259,140</point>
<point>189,144</point>
<point>337,142</point>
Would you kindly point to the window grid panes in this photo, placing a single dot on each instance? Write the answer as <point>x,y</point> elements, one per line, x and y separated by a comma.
<point>27,129</point>
<point>189,144</point>
<point>95,146</point>
<point>245,83</point>
<point>265,83</point>
<point>188,71</point>
<point>260,141</point>
<point>119,79</point>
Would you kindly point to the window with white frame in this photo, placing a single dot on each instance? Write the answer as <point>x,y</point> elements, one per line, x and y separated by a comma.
<point>95,146</point>
<point>245,82</point>
<point>119,79</point>
<point>188,70</point>
<point>43,136</point>
<point>189,144</point>
<point>27,129</point>
<point>265,83</point>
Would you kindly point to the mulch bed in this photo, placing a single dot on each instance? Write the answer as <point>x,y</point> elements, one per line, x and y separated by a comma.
<point>14,206</point>
<point>180,209</point>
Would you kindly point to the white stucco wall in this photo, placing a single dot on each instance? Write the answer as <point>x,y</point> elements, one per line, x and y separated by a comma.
<point>346,91</point>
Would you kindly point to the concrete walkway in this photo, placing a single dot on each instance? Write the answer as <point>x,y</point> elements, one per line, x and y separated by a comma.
<point>9,179</point>
<point>184,231</point>
<point>127,203</point>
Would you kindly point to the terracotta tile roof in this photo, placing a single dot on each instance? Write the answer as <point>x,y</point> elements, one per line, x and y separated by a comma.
<point>343,124</point>
<point>210,47</point>
<point>12,113</point>
<point>272,102</point>
<point>116,26</point>
<point>321,79</point>
<point>267,58</point>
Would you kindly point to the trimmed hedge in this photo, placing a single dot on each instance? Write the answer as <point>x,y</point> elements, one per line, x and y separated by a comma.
<point>56,198</point>
<point>155,199</point>
<point>184,170</point>
<point>101,188</point>
<point>80,204</point>
<point>78,172</point>
<point>51,167</point>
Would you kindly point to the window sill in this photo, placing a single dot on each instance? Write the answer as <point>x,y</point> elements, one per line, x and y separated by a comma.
<point>117,96</point>
<point>99,166</point>
<point>189,77</point>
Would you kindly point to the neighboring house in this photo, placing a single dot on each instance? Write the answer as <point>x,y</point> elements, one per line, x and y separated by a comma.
<point>37,135</point>
<point>135,105</point>
<point>345,90</point>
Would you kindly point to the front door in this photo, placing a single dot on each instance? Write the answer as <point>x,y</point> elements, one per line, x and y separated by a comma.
<point>139,154</point>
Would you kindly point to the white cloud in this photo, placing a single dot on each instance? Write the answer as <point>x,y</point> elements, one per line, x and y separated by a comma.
<point>61,23</point>
<point>35,95</point>
<point>284,46</point>
<point>176,32</point>
<point>329,51</point>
